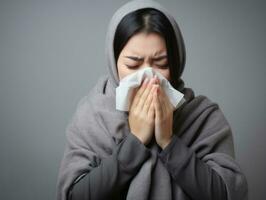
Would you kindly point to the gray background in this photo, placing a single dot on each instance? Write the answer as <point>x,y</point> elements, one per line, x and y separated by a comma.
<point>52,53</point>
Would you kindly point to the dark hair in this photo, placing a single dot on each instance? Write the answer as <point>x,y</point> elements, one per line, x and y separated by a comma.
<point>149,20</point>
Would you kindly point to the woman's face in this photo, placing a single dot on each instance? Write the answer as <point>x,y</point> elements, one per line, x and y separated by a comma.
<point>143,50</point>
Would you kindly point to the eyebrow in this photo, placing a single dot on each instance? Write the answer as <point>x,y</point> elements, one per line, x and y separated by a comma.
<point>141,58</point>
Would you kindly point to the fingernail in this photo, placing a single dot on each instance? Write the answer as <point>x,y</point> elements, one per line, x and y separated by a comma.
<point>156,78</point>
<point>146,80</point>
<point>150,80</point>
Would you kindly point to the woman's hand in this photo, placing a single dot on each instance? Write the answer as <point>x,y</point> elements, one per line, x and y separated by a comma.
<point>141,113</point>
<point>163,117</point>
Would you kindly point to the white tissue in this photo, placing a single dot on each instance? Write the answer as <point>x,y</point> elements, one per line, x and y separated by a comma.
<point>126,86</point>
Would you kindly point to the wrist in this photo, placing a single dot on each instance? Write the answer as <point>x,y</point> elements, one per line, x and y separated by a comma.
<point>164,144</point>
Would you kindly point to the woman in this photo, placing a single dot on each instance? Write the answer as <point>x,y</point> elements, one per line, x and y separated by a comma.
<point>152,151</point>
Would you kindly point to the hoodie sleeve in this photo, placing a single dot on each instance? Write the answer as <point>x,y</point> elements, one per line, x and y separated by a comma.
<point>107,180</point>
<point>206,169</point>
<point>191,173</point>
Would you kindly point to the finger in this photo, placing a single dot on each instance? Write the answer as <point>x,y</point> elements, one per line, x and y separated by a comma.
<point>148,101</point>
<point>132,97</point>
<point>157,80</point>
<point>145,94</point>
<point>167,101</point>
<point>162,100</point>
<point>139,92</point>
<point>142,89</point>
<point>151,111</point>
<point>143,85</point>
<point>162,95</point>
<point>158,109</point>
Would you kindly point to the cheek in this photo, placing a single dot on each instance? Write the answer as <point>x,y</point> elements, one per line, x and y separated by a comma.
<point>123,71</point>
<point>167,75</point>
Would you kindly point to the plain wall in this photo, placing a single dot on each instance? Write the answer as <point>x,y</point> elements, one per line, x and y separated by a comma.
<point>52,53</point>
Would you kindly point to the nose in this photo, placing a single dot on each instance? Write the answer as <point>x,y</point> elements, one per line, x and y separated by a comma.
<point>146,63</point>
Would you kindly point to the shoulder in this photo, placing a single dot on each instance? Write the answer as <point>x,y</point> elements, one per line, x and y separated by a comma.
<point>205,111</point>
<point>212,108</point>
<point>198,104</point>
<point>205,124</point>
<point>204,101</point>
<point>211,114</point>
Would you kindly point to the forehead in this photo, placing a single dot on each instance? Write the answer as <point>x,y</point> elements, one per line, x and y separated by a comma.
<point>145,44</point>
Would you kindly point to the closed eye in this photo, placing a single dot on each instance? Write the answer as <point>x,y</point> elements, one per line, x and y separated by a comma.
<point>135,66</point>
<point>163,66</point>
<point>129,66</point>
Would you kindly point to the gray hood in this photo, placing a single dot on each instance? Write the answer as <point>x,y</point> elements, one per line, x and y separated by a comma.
<point>117,17</point>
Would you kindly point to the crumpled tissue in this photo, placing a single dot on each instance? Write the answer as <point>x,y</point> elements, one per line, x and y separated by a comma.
<point>127,84</point>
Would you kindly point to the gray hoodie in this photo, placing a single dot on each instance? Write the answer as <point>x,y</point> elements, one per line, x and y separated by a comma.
<point>104,160</point>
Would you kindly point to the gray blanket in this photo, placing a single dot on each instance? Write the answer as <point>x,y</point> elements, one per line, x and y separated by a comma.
<point>97,127</point>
